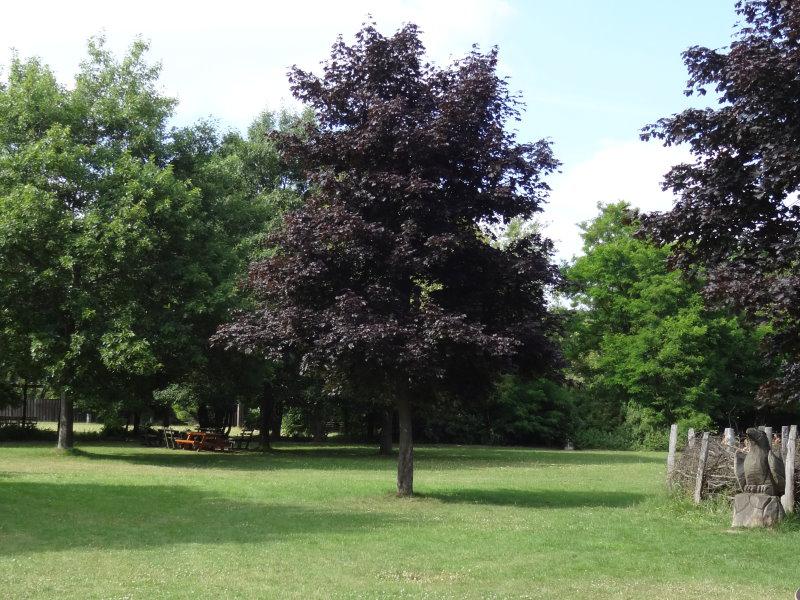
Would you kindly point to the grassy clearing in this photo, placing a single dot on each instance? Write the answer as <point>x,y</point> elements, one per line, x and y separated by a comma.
<point>77,427</point>
<point>322,522</point>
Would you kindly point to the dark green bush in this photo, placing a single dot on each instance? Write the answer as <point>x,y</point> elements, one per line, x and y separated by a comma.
<point>593,438</point>
<point>18,433</point>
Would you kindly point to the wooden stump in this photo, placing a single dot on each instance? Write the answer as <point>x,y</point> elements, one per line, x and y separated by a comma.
<point>730,439</point>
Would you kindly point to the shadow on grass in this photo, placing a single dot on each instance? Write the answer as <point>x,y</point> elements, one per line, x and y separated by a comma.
<point>513,456</point>
<point>538,498</point>
<point>273,460</point>
<point>329,457</point>
<point>38,517</point>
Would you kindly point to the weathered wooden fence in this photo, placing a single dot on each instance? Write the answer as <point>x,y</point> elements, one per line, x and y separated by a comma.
<point>709,468</point>
<point>41,409</point>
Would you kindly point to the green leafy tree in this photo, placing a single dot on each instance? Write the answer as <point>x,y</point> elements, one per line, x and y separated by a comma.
<point>641,343</point>
<point>736,217</point>
<point>245,188</point>
<point>121,243</point>
<point>87,217</point>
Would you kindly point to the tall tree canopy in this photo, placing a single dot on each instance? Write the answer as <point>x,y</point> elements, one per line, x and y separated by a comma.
<point>120,241</point>
<point>385,283</point>
<point>642,346</point>
<point>736,212</point>
<point>90,219</point>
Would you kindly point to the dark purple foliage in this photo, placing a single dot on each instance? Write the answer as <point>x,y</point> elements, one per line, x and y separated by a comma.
<point>385,282</point>
<point>737,212</point>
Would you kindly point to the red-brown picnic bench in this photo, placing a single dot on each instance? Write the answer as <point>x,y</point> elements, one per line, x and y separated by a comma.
<point>203,440</point>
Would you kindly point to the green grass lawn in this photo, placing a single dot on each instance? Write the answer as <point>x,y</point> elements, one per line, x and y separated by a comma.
<point>77,427</point>
<point>116,521</point>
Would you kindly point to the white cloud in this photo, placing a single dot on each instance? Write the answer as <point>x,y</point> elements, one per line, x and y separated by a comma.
<point>230,59</point>
<point>621,170</point>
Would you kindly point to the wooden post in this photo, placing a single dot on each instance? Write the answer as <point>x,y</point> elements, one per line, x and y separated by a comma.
<point>784,440</point>
<point>730,440</point>
<point>673,442</point>
<point>701,469</point>
<point>791,450</point>
<point>690,439</point>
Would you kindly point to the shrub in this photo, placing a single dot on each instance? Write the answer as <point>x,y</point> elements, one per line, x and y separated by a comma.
<point>594,438</point>
<point>18,433</point>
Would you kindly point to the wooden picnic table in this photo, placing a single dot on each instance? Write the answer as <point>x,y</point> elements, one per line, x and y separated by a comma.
<point>204,440</point>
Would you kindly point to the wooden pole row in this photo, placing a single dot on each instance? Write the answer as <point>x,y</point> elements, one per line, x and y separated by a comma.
<point>791,451</point>
<point>673,444</point>
<point>788,449</point>
<point>701,469</point>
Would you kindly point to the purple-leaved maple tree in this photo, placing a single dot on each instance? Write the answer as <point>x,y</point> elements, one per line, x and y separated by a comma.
<point>386,283</point>
<point>736,216</point>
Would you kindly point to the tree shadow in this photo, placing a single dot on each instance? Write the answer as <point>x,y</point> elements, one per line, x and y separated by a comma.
<point>538,498</point>
<point>485,455</point>
<point>329,457</point>
<point>290,458</point>
<point>39,517</point>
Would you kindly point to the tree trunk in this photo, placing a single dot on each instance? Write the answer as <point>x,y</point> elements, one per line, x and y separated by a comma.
<point>346,424</point>
<point>277,421</point>
<point>266,408</point>
<point>137,422</point>
<point>318,426</point>
<point>202,416</point>
<point>405,458</point>
<point>25,402</point>
<point>65,438</point>
<point>229,418</point>
<point>385,448</point>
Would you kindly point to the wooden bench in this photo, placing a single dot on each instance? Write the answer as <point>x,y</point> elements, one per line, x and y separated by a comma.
<point>170,439</point>
<point>242,442</point>
<point>213,441</point>
<point>151,437</point>
<point>191,441</point>
<point>203,440</point>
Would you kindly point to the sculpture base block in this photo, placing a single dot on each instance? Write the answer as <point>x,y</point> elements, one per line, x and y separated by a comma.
<point>756,510</point>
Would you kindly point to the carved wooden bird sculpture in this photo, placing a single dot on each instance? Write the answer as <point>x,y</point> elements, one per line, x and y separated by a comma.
<point>760,471</point>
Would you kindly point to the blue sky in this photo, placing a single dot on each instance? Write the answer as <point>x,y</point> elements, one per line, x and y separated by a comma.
<point>592,72</point>
<point>596,70</point>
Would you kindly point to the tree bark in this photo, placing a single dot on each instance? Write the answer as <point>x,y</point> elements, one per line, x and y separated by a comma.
<point>405,458</point>
<point>65,437</point>
<point>318,426</point>
<point>385,448</point>
<point>266,408</point>
<point>277,421</point>
<point>346,433</point>
<point>203,418</point>
<point>25,402</point>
